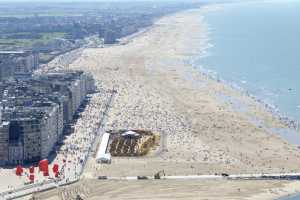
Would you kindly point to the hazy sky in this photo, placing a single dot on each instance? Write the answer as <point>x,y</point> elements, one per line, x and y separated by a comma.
<point>78,0</point>
<point>120,0</point>
<point>89,0</point>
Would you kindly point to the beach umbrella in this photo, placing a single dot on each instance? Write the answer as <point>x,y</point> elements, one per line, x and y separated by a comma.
<point>19,170</point>
<point>43,165</point>
<point>31,177</point>
<point>55,168</point>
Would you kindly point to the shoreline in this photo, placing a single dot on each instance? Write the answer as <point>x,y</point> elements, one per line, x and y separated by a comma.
<point>284,117</point>
<point>289,121</point>
<point>292,125</point>
<point>291,189</point>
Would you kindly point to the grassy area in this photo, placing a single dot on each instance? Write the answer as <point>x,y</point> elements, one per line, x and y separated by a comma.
<point>15,43</point>
<point>44,38</point>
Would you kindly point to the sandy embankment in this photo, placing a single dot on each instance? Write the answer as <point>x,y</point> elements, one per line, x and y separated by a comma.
<point>158,90</point>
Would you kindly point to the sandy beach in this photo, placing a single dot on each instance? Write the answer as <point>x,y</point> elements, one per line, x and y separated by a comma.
<point>158,90</point>
<point>184,189</point>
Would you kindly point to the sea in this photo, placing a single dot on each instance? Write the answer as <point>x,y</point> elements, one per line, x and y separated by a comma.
<point>255,46</point>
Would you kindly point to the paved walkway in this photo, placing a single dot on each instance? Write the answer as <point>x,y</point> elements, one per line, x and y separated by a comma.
<point>288,176</point>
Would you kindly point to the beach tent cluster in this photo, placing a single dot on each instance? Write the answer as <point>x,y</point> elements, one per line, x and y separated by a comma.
<point>43,167</point>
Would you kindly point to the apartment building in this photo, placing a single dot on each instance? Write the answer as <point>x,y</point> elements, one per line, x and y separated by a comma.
<point>34,113</point>
<point>16,63</point>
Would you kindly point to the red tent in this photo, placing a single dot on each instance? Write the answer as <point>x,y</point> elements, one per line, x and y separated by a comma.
<point>43,165</point>
<point>31,177</point>
<point>31,169</point>
<point>55,168</point>
<point>19,170</point>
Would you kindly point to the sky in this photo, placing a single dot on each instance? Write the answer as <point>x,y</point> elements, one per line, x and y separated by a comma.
<point>212,1</point>
<point>87,0</point>
<point>75,0</point>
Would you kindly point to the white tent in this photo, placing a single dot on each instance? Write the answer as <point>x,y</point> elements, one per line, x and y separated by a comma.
<point>130,134</point>
<point>102,156</point>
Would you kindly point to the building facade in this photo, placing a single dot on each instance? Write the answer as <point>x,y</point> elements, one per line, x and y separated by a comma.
<point>35,112</point>
<point>16,63</point>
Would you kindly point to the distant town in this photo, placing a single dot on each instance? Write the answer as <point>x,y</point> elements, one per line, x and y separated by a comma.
<point>54,29</point>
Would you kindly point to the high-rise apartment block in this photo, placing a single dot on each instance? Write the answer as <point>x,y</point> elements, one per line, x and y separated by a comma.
<point>14,63</point>
<point>35,111</point>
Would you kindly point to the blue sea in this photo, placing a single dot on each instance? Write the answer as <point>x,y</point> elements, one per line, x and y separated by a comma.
<point>256,46</point>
